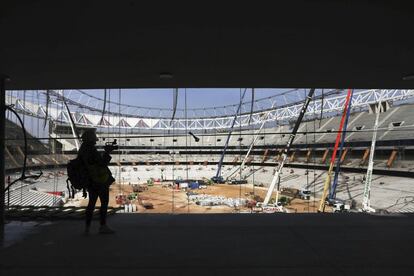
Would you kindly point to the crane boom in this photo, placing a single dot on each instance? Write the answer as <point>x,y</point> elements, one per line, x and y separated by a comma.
<point>338,137</point>
<point>286,149</point>
<point>229,135</point>
<point>332,194</point>
<point>256,136</point>
<point>366,205</point>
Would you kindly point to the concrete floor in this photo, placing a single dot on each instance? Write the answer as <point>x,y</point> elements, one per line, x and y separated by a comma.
<point>394,194</point>
<point>299,244</point>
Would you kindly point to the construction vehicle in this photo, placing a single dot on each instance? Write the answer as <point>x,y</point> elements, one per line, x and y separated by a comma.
<point>257,208</point>
<point>340,207</point>
<point>218,179</point>
<point>327,183</point>
<point>305,194</point>
<point>238,181</point>
<point>276,176</point>
<point>332,194</point>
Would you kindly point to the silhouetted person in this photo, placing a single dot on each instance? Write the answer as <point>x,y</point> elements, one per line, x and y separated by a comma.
<point>100,178</point>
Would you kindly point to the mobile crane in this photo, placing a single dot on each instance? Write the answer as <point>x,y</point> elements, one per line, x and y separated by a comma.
<point>366,204</point>
<point>332,194</point>
<point>286,151</point>
<point>256,136</point>
<point>329,174</point>
<point>218,178</point>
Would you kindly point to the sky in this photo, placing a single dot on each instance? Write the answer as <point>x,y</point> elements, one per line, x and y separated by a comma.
<point>161,98</point>
<point>196,97</point>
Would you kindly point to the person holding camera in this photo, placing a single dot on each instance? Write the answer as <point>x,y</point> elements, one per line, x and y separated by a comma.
<point>100,178</point>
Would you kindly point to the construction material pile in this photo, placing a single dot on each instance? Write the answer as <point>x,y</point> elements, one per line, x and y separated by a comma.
<point>210,200</point>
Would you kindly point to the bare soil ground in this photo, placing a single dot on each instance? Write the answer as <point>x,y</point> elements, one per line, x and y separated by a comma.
<point>168,200</point>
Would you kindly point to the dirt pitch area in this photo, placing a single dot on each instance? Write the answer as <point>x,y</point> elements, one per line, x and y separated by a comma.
<point>167,200</point>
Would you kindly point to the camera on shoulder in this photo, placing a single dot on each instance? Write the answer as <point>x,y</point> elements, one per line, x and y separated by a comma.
<point>110,146</point>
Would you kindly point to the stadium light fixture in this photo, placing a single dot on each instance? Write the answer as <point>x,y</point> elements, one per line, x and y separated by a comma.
<point>166,76</point>
<point>408,77</point>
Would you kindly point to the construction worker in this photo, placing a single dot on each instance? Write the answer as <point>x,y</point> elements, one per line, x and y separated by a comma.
<point>100,178</point>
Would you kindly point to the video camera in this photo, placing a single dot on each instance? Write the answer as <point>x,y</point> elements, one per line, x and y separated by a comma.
<point>110,146</point>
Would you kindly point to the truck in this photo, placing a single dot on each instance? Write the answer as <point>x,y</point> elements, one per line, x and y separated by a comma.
<point>218,179</point>
<point>238,181</point>
<point>340,207</point>
<point>305,194</point>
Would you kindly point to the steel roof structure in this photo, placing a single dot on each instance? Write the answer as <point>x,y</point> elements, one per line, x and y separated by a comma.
<point>90,116</point>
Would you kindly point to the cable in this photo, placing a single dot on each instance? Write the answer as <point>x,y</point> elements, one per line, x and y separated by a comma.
<point>119,152</point>
<point>307,157</point>
<point>322,103</point>
<point>47,108</point>
<point>251,107</point>
<point>314,160</point>
<point>186,145</point>
<point>24,168</point>
<point>175,100</point>
<point>215,134</point>
<point>104,105</point>
<point>240,142</point>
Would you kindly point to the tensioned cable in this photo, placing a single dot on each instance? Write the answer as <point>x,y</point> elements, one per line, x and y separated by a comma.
<point>307,159</point>
<point>134,114</point>
<point>240,142</point>
<point>104,106</point>
<point>322,103</point>
<point>47,108</point>
<point>399,129</point>
<point>120,151</point>
<point>24,121</point>
<point>186,145</point>
<point>314,159</point>
<point>38,103</point>
<point>24,167</point>
<point>332,92</point>
<point>251,107</point>
<point>175,99</point>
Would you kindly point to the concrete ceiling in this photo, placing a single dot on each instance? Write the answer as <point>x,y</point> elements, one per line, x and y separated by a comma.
<point>97,44</point>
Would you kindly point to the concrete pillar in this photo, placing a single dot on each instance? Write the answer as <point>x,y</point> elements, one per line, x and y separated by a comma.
<point>325,156</point>
<point>365,157</point>
<point>308,155</point>
<point>344,155</point>
<point>392,158</point>
<point>292,157</point>
<point>265,154</point>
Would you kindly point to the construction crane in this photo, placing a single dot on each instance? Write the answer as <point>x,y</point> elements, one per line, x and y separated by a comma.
<point>366,204</point>
<point>218,178</point>
<point>338,137</point>
<point>256,136</point>
<point>286,150</point>
<point>332,194</point>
